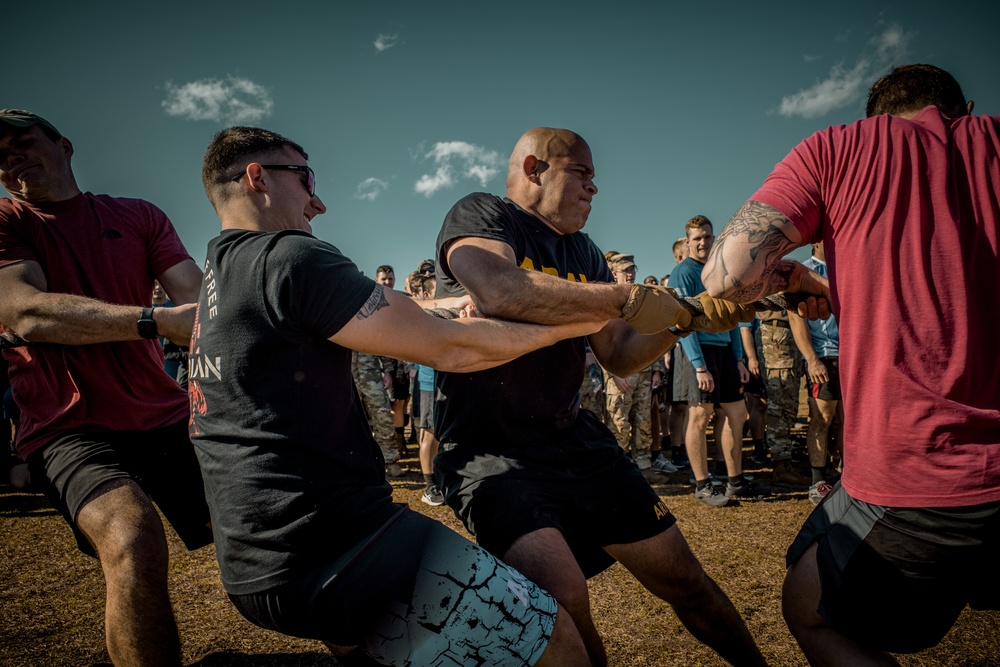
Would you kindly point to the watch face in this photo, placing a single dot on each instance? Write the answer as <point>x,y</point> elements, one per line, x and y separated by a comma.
<point>146,324</point>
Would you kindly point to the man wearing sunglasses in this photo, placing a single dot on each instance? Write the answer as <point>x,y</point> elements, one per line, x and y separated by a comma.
<point>308,540</point>
<point>102,426</point>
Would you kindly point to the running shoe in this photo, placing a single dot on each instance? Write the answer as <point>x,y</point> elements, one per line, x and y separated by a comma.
<point>663,466</point>
<point>819,491</point>
<point>432,496</point>
<point>711,496</point>
<point>746,490</point>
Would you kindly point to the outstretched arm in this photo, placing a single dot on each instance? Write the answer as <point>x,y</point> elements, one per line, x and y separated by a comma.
<point>393,325</point>
<point>39,316</point>
<point>746,262</point>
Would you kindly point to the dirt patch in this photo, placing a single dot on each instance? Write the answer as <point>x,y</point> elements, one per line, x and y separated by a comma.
<point>51,598</point>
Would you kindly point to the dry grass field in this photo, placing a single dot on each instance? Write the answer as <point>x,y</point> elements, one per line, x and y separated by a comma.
<point>51,596</point>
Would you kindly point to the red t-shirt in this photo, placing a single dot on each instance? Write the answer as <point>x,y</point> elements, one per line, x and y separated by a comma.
<point>108,249</point>
<point>909,211</point>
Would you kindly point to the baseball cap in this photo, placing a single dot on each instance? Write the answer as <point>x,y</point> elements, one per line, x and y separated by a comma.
<point>426,265</point>
<point>22,118</point>
<point>621,262</point>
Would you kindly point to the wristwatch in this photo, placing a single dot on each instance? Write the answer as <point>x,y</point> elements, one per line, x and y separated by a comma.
<point>146,324</point>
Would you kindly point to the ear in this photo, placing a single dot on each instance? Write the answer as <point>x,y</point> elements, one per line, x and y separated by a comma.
<point>67,146</point>
<point>531,168</point>
<point>256,176</point>
<point>969,106</point>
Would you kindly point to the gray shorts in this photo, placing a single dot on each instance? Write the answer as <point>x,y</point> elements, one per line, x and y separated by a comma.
<point>414,593</point>
<point>895,579</point>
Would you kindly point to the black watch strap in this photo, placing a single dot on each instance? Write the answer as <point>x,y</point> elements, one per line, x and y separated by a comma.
<point>146,324</point>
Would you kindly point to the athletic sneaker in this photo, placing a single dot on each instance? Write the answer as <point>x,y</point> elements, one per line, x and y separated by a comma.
<point>663,466</point>
<point>432,496</point>
<point>710,496</point>
<point>393,470</point>
<point>819,491</point>
<point>746,490</point>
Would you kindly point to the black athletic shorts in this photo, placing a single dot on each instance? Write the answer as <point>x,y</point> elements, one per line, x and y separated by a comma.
<point>161,461</point>
<point>722,365</point>
<point>895,579</point>
<point>413,593</point>
<point>830,390</point>
<point>580,482</point>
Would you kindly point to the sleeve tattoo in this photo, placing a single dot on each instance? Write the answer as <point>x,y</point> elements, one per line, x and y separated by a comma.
<point>746,260</point>
<point>375,303</point>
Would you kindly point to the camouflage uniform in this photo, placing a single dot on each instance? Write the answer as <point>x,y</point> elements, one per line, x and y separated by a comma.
<point>368,377</point>
<point>628,414</point>
<point>780,368</point>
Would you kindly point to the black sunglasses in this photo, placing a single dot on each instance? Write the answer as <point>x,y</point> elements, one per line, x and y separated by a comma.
<point>310,176</point>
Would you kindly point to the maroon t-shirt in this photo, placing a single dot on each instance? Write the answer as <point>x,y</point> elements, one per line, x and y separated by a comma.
<point>109,249</point>
<point>910,215</point>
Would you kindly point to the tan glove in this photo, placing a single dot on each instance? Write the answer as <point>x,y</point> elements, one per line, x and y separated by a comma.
<point>651,309</point>
<point>718,315</point>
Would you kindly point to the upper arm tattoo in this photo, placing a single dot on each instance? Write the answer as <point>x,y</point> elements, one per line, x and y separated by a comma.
<point>746,259</point>
<point>375,302</point>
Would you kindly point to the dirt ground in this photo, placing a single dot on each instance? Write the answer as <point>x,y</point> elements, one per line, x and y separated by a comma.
<point>51,596</point>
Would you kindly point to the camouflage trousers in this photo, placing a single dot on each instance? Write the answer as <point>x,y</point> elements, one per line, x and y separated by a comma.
<point>782,408</point>
<point>368,377</point>
<point>628,414</point>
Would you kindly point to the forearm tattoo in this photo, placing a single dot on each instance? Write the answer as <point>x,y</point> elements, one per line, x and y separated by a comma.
<point>375,302</point>
<point>755,245</point>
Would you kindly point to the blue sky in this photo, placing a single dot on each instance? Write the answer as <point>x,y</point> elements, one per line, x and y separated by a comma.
<point>405,107</point>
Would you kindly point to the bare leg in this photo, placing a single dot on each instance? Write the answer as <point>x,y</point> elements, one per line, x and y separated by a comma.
<point>731,431</point>
<point>544,557</point>
<point>565,645</point>
<point>821,414</point>
<point>125,530</point>
<point>666,567</point>
<point>678,423</point>
<point>699,414</point>
<point>428,450</point>
<point>822,645</point>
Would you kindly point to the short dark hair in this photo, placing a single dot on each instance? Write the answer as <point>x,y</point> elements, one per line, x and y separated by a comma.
<point>385,268</point>
<point>235,147</point>
<point>913,87</point>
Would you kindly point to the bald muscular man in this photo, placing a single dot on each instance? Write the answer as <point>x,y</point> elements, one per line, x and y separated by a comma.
<point>540,482</point>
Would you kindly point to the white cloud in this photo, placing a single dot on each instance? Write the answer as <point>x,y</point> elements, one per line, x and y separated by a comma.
<point>370,188</point>
<point>458,159</point>
<point>845,86</point>
<point>385,42</point>
<point>233,100</point>
<point>808,58</point>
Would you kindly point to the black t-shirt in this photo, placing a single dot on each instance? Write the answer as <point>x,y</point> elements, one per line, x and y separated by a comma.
<point>292,474</point>
<point>531,398</point>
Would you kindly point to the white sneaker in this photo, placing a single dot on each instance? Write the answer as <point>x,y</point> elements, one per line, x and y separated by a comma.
<point>663,465</point>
